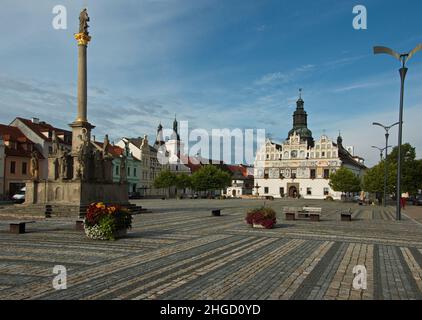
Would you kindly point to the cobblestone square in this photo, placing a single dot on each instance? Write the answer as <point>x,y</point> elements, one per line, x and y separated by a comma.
<point>181,251</point>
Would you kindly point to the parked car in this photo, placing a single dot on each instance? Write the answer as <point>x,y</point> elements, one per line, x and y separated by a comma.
<point>411,199</point>
<point>20,196</point>
<point>418,201</point>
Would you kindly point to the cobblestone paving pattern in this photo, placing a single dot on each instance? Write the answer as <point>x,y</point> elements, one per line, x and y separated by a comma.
<point>180,251</point>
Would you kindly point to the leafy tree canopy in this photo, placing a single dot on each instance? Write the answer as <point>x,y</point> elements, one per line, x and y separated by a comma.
<point>411,179</point>
<point>344,180</point>
<point>209,177</point>
<point>165,179</point>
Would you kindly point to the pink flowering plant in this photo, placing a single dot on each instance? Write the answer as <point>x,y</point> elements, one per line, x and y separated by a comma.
<point>263,216</point>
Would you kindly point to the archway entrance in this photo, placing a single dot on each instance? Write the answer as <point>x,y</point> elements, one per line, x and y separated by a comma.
<point>234,193</point>
<point>293,192</point>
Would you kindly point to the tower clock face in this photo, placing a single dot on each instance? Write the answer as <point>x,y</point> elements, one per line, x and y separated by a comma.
<point>294,154</point>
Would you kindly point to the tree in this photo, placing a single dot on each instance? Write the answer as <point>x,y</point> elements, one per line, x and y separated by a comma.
<point>209,178</point>
<point>411,179</point>
<point>373,180</point>
<point>344,180</point>
<point>166,179</point>
<point>183,181</point>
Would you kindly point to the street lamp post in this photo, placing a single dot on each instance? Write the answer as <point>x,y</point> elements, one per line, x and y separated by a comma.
<point>403,58</point>
<point>381,150</point>
<point>387,134</point>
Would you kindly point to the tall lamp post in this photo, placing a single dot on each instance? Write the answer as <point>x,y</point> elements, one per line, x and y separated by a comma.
<point>385,168</point>
<point>387,135</point>
<point>403,58</point>
<point>381,150</point>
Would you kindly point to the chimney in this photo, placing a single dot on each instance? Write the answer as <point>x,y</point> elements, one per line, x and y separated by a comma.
<point>35,120</point>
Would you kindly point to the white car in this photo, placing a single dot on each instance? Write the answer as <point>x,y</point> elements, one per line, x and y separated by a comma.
<point>20,196</point>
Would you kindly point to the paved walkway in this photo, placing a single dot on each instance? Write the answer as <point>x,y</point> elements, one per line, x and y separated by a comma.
<point>179,251</point>
<point>414,212</point>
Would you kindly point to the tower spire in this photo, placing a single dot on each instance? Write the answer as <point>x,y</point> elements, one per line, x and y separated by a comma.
<point>300,121</point>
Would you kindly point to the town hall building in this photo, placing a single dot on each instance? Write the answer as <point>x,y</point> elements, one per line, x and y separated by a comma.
<point>301,166</point>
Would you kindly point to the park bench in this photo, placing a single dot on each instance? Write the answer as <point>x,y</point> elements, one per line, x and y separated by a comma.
<point>312,213</point>
<point>216,212</point>
<point>346,215</point>
<point>79,225</point>
<point>290,213</point>
<point>19,227</point>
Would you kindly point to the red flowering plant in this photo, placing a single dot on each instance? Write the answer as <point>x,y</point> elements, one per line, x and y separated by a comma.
<point>263,216</point>
<point>103,221</point>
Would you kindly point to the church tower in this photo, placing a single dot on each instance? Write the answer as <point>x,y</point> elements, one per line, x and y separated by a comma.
<point>175,134</point>
<point>300,122</point>
<point>159,140</point>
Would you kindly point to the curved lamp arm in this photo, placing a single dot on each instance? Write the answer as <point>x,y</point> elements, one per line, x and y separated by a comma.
<point>385,50</point>
<point>411,53</point>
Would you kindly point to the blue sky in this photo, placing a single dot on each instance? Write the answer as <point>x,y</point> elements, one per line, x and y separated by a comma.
<point>219,64</point>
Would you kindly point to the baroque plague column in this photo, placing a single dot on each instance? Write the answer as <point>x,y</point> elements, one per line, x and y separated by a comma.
<point>83,174</point>
<point>81,128</point>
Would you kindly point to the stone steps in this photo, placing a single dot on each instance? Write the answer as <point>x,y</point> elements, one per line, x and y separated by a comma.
<point>49,211</point>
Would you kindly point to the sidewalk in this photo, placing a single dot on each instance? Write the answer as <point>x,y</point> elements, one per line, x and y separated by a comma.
<point>414,212</point>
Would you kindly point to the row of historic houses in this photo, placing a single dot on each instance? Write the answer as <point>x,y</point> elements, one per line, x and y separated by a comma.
<point>300,166</point>
<point>29,143</point>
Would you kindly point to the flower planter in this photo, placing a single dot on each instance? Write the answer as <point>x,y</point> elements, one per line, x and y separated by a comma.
<point>104,222</point>
<point>95,233</point>
<point>261,218</point>
<point>258,226</point>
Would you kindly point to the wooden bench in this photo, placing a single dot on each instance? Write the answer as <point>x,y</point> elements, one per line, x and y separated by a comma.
<point>313,213</point>
<point>290,213</point>
<point>19,227</point>
<point>346,215</point>
<point>216,212</point>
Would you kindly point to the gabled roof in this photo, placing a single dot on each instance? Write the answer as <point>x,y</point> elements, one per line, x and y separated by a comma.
<point>239,171</point>
<point>14,134</point>
<point>137,142</point>
<point>115,151</point>
<point>347,158</point>
<point>40,127</point>
<point>10,133</point>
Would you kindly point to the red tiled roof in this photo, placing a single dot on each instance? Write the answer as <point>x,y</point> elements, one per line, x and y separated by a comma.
<point>41,127</point>
<point>14,134</point>
<point>243,170</point>
<point>10,133</point>
<point>115,151</point>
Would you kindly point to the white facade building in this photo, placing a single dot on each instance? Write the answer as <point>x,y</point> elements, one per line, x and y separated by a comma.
<point>300,166</point>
